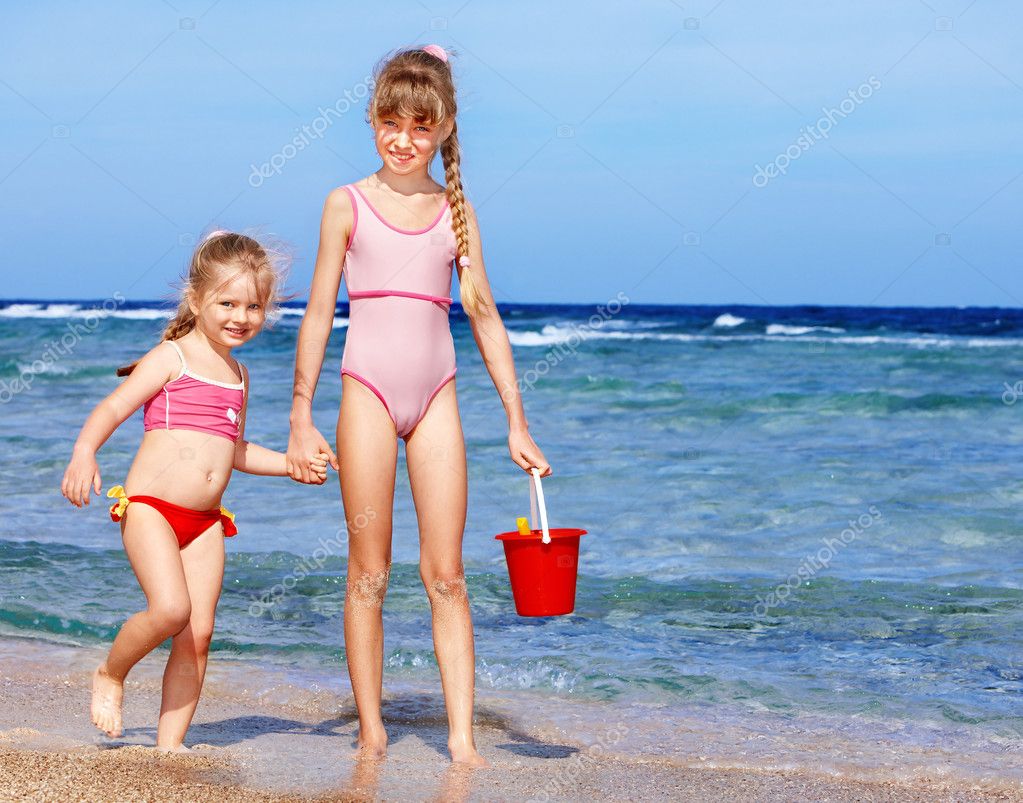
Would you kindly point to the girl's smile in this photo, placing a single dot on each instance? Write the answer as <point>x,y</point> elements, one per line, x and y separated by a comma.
<point>233,314</point>
<point>407,145</point>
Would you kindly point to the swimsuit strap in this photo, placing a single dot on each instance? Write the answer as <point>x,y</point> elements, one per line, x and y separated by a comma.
<point>184,370</point>
<point>181,354</point>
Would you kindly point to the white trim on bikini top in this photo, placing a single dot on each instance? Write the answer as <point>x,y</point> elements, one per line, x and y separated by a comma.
<point>186,372</point>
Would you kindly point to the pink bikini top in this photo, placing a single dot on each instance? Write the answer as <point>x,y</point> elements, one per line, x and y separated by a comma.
<point>194,402</point>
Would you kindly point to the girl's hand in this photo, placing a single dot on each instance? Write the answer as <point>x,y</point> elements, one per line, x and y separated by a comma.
<point>318,466</point>
<point>82,472</point>
<point>306,440</point>
<point>526,453</point>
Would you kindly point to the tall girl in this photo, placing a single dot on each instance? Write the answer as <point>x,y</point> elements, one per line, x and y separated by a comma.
<point>173,526</point>
<point>394,237</point>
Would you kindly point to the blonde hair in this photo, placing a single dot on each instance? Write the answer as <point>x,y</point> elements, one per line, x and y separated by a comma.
<point>418,85</point>
<point>214,258</point>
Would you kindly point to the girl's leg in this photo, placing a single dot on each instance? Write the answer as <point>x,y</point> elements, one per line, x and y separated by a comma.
<point>435,452</point>
<point>152,550</point>
<point>367,449</point>
<point>203,562</point>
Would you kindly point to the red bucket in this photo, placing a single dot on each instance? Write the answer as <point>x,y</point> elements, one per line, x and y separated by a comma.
<point>543,565</point>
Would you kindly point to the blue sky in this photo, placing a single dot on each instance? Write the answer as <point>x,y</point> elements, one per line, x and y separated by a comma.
<point>606,150</point>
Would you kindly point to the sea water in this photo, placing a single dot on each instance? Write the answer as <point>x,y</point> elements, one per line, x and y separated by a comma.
<point>801,511</point>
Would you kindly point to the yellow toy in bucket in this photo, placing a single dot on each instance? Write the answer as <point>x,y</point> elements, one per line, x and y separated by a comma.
<point>542,563</point>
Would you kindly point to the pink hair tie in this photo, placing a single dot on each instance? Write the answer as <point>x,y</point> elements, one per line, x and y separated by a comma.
<point>463,262</point>
<point>436,50</point>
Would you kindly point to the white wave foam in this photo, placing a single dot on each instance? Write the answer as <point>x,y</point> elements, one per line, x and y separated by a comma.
<point>915,342</point>
<point>51,368</point>
<point>20,310</point>
<point>144,314</point>
<point>727,321</point>
<point>530,674</point>
<point>785,329</point>
<point>552,334</point>
<point>547,336</point>
<point>140,314</point>
<point>613,324</point>
<point>77,311</point>
<point>292,312</point>
<point>39,311</point>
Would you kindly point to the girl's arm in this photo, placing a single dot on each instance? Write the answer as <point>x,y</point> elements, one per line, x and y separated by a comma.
<point>151,373</point>
<point>492,341</point>
<point>305,440</point>
<point>255,459</point>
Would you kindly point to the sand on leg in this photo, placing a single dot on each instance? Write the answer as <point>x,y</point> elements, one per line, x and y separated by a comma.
<point>203,564</point>
<point>367,450</point>
<point>435,451</point>
<point>152,550</point>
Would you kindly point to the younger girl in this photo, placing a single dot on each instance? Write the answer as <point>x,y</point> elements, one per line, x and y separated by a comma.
<point>195,395</point>
<point>394,236</point>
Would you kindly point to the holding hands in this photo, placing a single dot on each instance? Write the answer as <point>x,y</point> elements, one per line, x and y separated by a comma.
<point>317,470</point>
<point>306,440</point>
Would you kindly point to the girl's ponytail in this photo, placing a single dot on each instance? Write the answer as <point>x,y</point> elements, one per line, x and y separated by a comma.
<point>180,325</point>
<point>451,154</point>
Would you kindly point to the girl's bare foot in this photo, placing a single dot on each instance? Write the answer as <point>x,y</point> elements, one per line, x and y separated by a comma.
<point>463,751</point>
<point>107,694</point>
<point>178,749</point>
<point>372,743</point>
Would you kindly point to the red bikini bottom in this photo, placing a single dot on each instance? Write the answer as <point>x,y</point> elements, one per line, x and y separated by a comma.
<point>187,524</point>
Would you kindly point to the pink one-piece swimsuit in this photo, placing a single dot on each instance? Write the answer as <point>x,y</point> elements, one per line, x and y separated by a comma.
<point>399,341</point>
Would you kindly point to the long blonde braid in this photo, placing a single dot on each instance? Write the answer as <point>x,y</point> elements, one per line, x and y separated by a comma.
<point>451,154</point>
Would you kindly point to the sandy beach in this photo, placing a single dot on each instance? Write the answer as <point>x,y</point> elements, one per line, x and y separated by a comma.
<point>259,737</point>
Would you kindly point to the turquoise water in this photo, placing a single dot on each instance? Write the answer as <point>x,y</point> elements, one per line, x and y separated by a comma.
<point>795,510</point>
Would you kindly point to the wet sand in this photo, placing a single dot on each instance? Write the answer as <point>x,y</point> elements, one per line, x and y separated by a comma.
<point>258,736</point>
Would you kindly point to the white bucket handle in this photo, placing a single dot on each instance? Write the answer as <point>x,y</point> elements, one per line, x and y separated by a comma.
<point>536,491</point>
